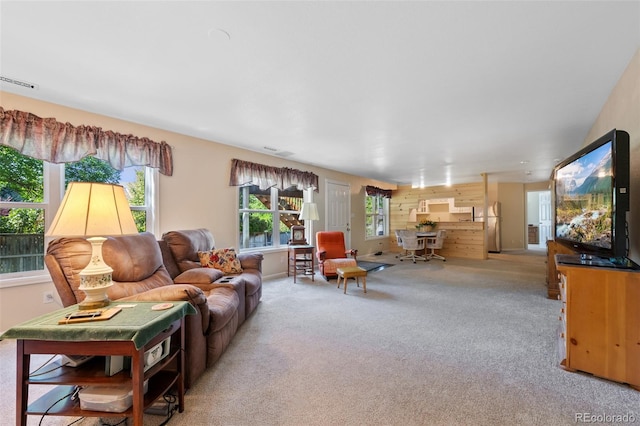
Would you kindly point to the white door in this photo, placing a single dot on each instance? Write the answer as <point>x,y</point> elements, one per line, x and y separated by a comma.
<point>545,217</point>
<point>338,209</point>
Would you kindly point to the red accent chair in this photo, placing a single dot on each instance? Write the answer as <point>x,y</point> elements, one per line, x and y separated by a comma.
<point>332,254</point>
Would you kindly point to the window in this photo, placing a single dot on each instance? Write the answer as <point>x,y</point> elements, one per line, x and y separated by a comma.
<point>266,216</point>
<point>376,208</point>
<point>22,212</point>
<point>31,191</point>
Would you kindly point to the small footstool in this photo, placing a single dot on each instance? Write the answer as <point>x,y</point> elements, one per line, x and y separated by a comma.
<point>352,272</point>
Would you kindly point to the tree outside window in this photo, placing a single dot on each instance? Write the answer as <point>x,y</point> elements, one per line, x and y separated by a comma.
<point>24,202</point>
<point>376,210</point>
<point>266,216</point>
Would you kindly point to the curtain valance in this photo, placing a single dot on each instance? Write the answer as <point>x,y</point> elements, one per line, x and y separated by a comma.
<point>373,191</point>
<point>50,140</point>
<point>245,173</point>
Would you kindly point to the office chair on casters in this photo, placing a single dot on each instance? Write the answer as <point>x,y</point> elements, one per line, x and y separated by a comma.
<point>399,242</point>
<point>436,243</point>
<point>412,243</point>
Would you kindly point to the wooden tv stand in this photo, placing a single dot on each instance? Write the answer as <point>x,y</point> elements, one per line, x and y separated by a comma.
<point>599,330</point>
<point>553,283</point>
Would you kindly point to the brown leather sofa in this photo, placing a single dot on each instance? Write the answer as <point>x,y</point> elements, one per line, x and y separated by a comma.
<point>146,270</point>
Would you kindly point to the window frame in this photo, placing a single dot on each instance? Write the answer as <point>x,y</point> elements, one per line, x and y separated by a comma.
<point>53,187</point>
<point>375,215</point>
<point>274,211</point>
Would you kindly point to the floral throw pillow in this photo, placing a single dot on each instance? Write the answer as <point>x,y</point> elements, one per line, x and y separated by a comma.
<point>222,259</point>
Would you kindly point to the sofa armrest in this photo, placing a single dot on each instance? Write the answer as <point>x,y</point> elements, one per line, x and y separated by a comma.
<point>198,276</point>
<point>352,252</point>
<point>176,292</point>
<point>251,260</point>
<point>237,285</point>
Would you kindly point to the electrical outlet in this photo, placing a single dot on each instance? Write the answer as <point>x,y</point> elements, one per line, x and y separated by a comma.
<point>47,297</point>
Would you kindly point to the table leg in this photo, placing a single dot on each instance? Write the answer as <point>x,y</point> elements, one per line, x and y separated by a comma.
<point>181,367</point>
<point>137,368</point>
<point>22,389</point>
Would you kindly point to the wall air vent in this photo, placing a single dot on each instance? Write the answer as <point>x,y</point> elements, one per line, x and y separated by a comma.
<point>18,82</point>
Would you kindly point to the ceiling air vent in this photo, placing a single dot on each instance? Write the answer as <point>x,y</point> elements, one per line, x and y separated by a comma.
<point>18,82</point>
<point>278,153</point>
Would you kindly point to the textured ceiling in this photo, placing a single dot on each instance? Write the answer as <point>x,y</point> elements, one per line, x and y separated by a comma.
<point>422,93</point>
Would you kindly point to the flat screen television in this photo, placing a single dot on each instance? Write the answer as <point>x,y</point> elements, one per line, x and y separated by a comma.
<point>591,190</point>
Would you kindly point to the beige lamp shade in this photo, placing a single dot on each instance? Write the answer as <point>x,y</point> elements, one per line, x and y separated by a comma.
<point>93,209</point>
<point>309,211</point>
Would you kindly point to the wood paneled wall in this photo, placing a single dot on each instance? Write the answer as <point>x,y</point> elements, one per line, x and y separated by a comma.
<point>464,239</point>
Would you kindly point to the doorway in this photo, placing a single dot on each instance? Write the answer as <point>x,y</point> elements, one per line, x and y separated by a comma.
<point>338,209</point>
<point>539,218</point>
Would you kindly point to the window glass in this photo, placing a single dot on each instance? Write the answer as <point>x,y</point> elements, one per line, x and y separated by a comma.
<point>263,223</point>
<point>29,198</point>
<point>22,220</point>
<point>289,203</point>
<point>376,216</point>
<point>21,178</point>
<point>91,169</point>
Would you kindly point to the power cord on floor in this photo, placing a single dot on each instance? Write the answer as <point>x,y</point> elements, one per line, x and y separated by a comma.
<point>105,422</point>
<point>172,407</point>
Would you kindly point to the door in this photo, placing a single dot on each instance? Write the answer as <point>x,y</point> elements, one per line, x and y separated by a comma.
<point>338,209</point>
<point>544,206</point>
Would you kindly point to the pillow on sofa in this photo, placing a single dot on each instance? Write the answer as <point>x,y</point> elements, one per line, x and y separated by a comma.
<point>222,259</point>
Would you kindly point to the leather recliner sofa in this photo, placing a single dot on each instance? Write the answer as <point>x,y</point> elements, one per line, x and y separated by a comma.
<point>141,271</point>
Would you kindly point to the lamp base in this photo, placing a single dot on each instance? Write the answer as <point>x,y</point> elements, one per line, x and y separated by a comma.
<point>95,279</point>
<point>87,305</point>
<point>96,297</point>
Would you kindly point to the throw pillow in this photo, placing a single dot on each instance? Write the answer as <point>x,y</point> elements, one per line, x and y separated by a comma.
<point>222,259</point>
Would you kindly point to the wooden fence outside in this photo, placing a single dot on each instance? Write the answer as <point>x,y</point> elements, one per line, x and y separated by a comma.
<point>21,252</point>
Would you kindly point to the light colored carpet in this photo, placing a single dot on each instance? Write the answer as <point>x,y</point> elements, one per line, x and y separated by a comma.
<point>438,343</point>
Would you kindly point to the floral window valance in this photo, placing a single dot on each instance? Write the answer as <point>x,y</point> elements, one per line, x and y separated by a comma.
<point>245,173</point>
<point>373,191</point>
<point>50,140</point>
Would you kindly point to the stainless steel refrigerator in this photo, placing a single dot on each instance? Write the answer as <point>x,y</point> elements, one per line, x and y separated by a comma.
<point>493,224</point>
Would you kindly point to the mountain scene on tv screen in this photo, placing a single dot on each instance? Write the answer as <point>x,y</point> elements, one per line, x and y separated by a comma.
<point>584,199</point>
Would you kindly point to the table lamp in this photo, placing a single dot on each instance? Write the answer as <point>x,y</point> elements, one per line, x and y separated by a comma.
<point>93,210</point>
<point>308,211</point>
